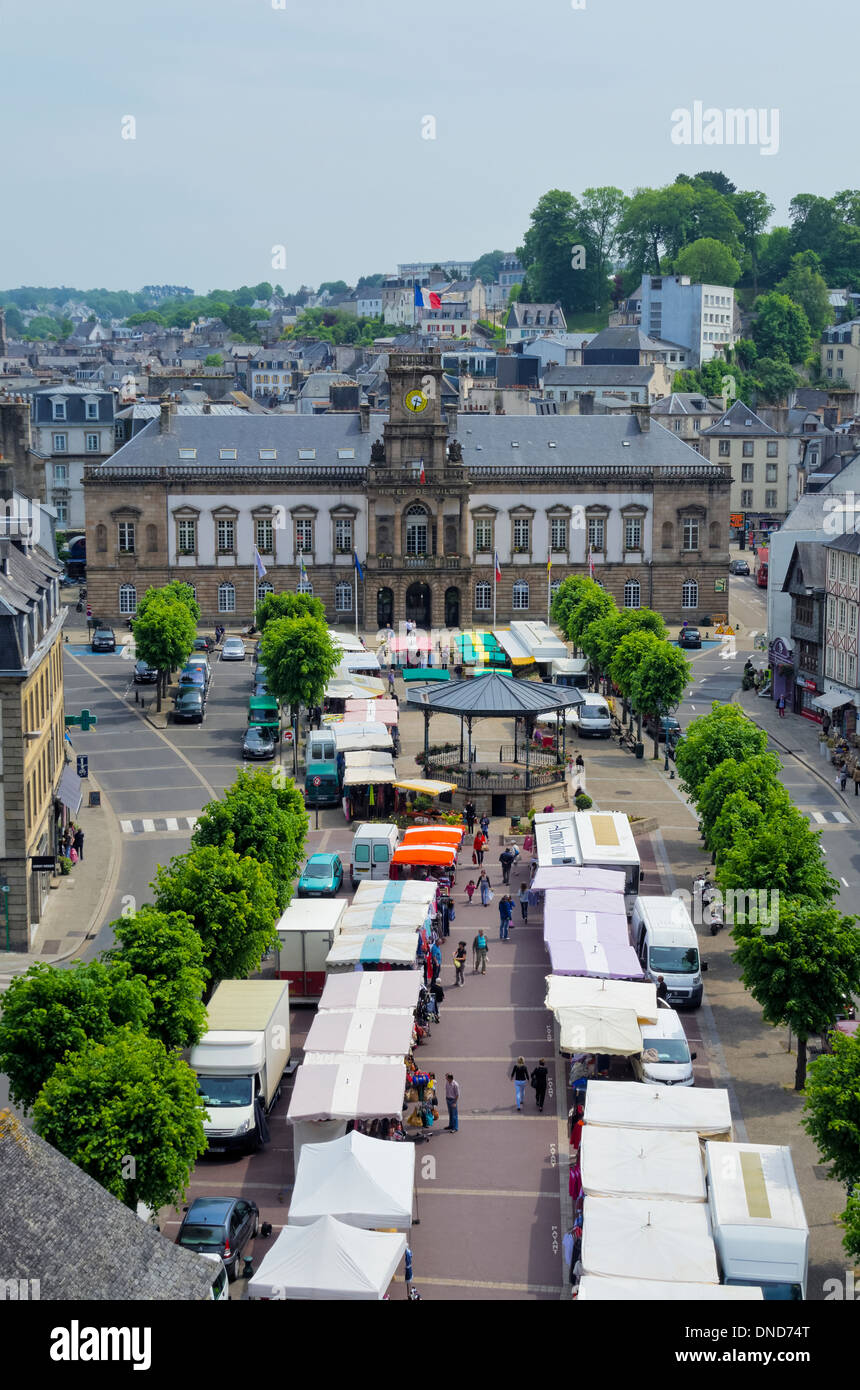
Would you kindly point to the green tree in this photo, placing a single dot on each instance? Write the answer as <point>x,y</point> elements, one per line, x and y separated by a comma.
<point>777,851</point>
<point>724,733</point>
<point>660,679</point>
<point>623,667</point>
<point>557,226</point>
<point>148,316</point>
<point>164,948</point>
<point>832,1118</point>
<point>659,222</point>
<point>288,605</point>
<point>268,822</point>
<point>263,290</point>
<point>774,252</point>
<point>66,327</point>
<point>164,636</point>
<point>127,1112</point>
<point>801,973</point>
<point>566,597</point>
<point>514,294</point>
<point>756,777</point>
<point>177,591</point>
<point>601,211</point>
<point>487,267</point>
<point>774,378</point>
<point>592,602</point>
<point>806,286</point>
<point>753,211</point>
<point>708,261</point>
<point>851,1224</point>
<point>781,328</point>
<point>232,901</point>
<point>300,658</point>
<point>602,637</point>
<point>213,359</point>
<point>47,1013</point>
<point>715,179</point>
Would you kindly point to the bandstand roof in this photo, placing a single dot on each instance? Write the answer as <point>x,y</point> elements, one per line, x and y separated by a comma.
<point>495,697</point>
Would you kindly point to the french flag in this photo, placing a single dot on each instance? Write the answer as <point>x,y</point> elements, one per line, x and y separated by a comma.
<point>498,568</point>
<point>427,299</point>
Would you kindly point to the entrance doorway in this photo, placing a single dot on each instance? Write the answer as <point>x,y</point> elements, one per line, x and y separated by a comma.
<point>418,604</point>
<point>384,607</point>
<point>452,607</point>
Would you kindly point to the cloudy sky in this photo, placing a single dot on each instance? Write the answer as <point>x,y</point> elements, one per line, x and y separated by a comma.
<point>302,123</point>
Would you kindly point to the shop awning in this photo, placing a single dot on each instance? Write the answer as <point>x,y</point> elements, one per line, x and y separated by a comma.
<point>69,789</point>
<point>425,786</point>
<point>831,700</point>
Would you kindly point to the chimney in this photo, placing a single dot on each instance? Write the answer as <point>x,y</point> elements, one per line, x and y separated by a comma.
<point>451,414</point>
<point>586,403</point>
<point>207,407</point>
<point>364,416</point>
<point>5,543</point>
<point>642,414</point>
<point>164,423</point>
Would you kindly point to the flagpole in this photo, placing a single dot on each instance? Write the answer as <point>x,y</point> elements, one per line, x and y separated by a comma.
<point>548,587</point>
<point>356,601</point>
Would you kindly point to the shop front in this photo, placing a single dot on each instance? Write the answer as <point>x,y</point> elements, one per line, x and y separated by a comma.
<point>781,662</point>
<point>837,707</point>
<point>805,692</point>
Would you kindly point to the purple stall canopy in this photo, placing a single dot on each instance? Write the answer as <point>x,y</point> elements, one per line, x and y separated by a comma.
<point>578,900</point>
<point>590,928</point>
<point>605,962</point>
<point>571,876</point>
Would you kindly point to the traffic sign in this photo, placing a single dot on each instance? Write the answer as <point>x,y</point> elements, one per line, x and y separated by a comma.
<point>83,764</point>
<point>317,781</point>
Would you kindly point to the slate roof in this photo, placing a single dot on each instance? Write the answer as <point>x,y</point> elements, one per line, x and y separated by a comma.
<point>593,374</point>
<point>629,337</point>
<point>686,403</point>
<point>495,697</point>
<point>810,560</point>
<point>739,420</point>
<point>58,1225</point>
<point>850,542</point>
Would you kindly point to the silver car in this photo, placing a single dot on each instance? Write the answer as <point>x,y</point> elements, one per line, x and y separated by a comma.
<point>233,649</point>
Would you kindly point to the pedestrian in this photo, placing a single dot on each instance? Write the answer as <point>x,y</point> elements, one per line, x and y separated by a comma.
<point>539,1080</point>
<point>460,964</point>
<point>469,813</point>
<point>78,842</point>
<point>435,960</point>
<point>780,704</point>
<point>524,903</point>
<point>484,889</point>
<point>485,825</point>
<point>470,889</point>
<point>452,1100</point>
<point>580,765</point>
<point>479,844</point>
<point>662,991</point>
<point>519,1076</point>
<point>390,679</point>
<point>843,779</point>
<point>856,778</point>
<point>506,859</point>
<point>438,994</point>
<point>481,949</point>
<point>506,909</point>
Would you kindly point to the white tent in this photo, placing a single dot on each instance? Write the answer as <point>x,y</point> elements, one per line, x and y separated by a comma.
<point>611,1031</point>
<point>382,1032</point>
<point>368,768</point>
<point>398,948</point>
<point>377,989</point>
<point>642,1163</point>
<point>351,738</point>
<point>363,1182</point>
<point>573,991</point>
<point>635,1105</point>
<point>344,686</point>
<point>328,1260</point>
<point>648,1239</point>
<point>552,876</point>
<point>365,917</point>
<point>383,890</point>
<point>354,1089</point>
<point>594,1286</point>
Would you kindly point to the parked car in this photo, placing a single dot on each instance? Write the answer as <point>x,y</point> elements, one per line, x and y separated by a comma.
<point>233,649</point>
<point>144,674</point>
<point>192,676</point>
<point>190,705</point>
<point>199,663</point>
<point>690,637</point>
<point>260,689</point>
<point>220,1279</point>
<point>220,1226</point>
<point>321,876</point>
<point>204,644</point>
<point>665,1059</point>
<point>668,722</point>
<point>258,743</point>
<point>103,640</point>
<point>259,676</point>
<point>739,567</point>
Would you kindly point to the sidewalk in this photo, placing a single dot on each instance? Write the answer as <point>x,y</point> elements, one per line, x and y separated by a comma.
<point>798,737</point>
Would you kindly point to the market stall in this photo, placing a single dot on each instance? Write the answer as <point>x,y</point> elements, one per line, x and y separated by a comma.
<point>417,856</point>
<point>575,876</point>
<point>590,928</point>
<point>434,835</point>
<point>636,1105</point>
<point>361,918</point>
<point>648,1239</point>
<point>374,949</point>
<point>328,1260</point>
<point>382,890</point>
<point>559,903</point>
<point>612,1032</point>
<point>571,957</point>
<point>593,1287</point>
<point>356,738</point>
<point>570,991</point>
<point>665,1164</point>
<point>398,989</point>
<point>356,1032</point>
<point>355,1089</point>
<point>381,711</point>
<point>363,1182</point>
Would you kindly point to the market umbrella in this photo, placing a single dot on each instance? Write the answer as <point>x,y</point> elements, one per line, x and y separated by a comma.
<point>328,1260</point>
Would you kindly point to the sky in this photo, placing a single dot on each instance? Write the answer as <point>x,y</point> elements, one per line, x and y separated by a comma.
<point>304,125</point>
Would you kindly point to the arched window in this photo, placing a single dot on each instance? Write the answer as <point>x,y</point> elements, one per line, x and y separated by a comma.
<point>631,594</point>
<point>101,536</point>
<point>667,539</point>
<point>521,594</point>
<point>416,530</point>
<point>690,594</point>
<point>127,599</point>
<point>483,596</point>
<point>263,588</point>
<point>226,598</point>
<point>304,586</point>
<point>343,597</point>
<point>714,536</point>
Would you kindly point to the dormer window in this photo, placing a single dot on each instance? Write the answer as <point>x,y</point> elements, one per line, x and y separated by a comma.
<point>188,453</point>
<point>228,453</point>
<point>92,410</point>
<point>267,454</point>
<point>305,454</point>
<point>59,410</point>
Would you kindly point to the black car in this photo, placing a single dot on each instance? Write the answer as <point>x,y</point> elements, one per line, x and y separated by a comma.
<point>103,640</point>
<point>258,743</point>
<point>144,674</point>
<point>220,1226</point>
<point>204,644</point>
<point>189,705</point>
<point>739,567</point>
<point>658,729</point>
<point>689,637</point>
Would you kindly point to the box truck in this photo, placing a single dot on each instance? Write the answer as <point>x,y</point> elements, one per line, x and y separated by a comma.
<point>757,1218</point>
<point>241,1060</point>
<point>307,932</point>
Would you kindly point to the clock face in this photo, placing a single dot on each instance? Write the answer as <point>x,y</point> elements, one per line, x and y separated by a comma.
<point>416,401</point>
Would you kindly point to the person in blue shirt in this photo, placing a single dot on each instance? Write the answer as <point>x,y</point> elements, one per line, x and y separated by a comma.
<point>436,959</point>
<point>506,912</point>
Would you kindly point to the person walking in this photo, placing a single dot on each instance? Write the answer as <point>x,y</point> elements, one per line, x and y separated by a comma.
<point>580,765</point>
<point>391,680</point>
<point>843,780</point>
<point>539,1080</point>
<point>479,844</point>
<point>485,826</point>
<point>78,842</point>
<point>438,995</point>
<point>506,859</point>
<point>481,949</point>
<point>452,1100</point>
<point>856,778</point>
<point>435,961</point>
<point>780,704</point>
<point>519,1076</point>
<point>484,889</point>
<point>524,903</point>
<point>469,812</point>
<point>506,909</point>
<point>662,991</point>
<point>470,888</point>
<point>460,964</point>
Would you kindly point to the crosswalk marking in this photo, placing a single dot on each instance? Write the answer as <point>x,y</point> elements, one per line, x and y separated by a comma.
<point>171,823</point>
<point>825,817</point>
<point>841,817</point>
<point>820,817</point>
<point>155,825</point>
<point>149,826</point>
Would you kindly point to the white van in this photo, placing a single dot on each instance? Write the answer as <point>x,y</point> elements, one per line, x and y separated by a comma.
<point>665,1059</point>
<point>759,1226</point>
<point>570,671</point>
<point>666,944</point>
<point>372,849</point>
<point>592,719</point>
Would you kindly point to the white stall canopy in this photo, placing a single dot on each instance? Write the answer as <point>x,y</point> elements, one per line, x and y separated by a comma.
<point>328,1260</point>
<point>576,991</point>
<point>394,948</point>
<point>634,1105</point>
<point>383,1032</point>
<point>378,989</point>
<point>352,738</point>
<point>407,890</point>
<point>355,1090</point>
<point>360,1181</point>
<point>368,768</point>
<point>642,1163</point>
<point>365,917</point>
<point>551,876</point>
<point>589,1029</point>
<point>648,1239</point>
<point>594,1286</point>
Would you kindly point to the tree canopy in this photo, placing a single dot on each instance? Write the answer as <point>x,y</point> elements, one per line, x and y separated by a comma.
<point>709,740</point>
<point>165,950</point>
<point>708,261</point>
<point>781,328</point>
<point>776,850</point>
<point>287,605</point>
<point>265,820</point>
<point>300,659</point>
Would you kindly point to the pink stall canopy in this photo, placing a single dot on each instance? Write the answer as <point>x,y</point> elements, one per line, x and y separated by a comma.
<point>604,928</point>
<point>570,876</point>
<point>606,962</point>
<point>397,989</point>
<point>381,711</point>
<point>579,900</point>
<point>353,1090</point>
<point>384,1033</point>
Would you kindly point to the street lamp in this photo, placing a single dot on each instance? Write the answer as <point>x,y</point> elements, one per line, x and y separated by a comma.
<point>4,889</point>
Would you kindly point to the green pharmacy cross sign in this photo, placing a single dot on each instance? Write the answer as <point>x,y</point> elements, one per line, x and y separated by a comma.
<point>85,719</point>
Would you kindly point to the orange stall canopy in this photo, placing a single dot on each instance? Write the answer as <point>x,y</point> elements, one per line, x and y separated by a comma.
<point>424,854</point>
<point>433,835</point>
